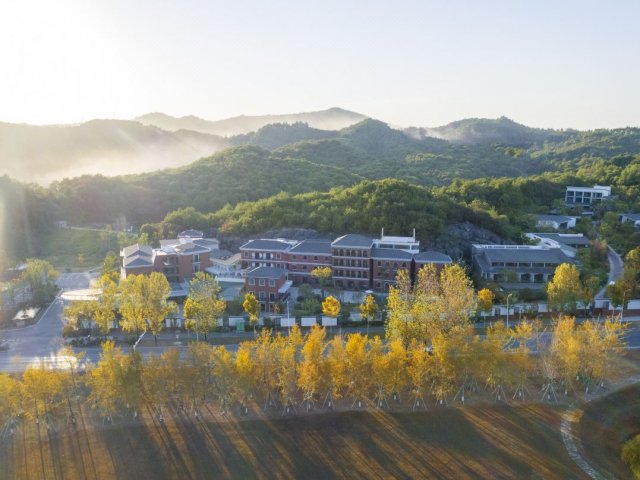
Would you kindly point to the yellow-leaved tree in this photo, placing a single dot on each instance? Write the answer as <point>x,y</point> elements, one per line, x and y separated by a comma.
<point>323,275</point>
<point>312,371</point>
<point>251,307</point>
<point>485,300</point>
<point>331,306</point>
<point>565,290</point>
<point>204,306</point>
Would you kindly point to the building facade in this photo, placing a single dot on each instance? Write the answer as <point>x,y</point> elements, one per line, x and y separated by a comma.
<point>265,252</point>
<point>586,196</point>
<point>517,266</point>
<point>269,285</point>
<point>304,257</point>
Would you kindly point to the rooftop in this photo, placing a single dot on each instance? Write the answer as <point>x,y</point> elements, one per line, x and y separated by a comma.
<point>191,234</point>
<point>536,255</point>
<point>432,257</point>
<point>565,238</point>
<point>635,217</point>
<point>353,240</point>
<point>312,246</point>
<point>390,254</point>
<point>266,272</point>
<point>266,244</point>
<point>553,218</point>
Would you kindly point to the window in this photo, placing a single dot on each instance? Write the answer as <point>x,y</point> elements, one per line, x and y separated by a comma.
<point>304,257</point>
<point>196,258</point>
<point>295,257</point>
<point>261,282</point>
<point>278,256</point>
<point>252,281</point>
<point>261,295</point>
<point>304,267</point>
<point>294,267</point>
<point>315,257</point>
<point>379,263</point>
<point>272,297</point>
<point>245,254</point>
<point>272,283</point>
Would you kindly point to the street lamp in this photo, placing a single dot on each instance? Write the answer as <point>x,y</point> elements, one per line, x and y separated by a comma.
<point>508,296</point>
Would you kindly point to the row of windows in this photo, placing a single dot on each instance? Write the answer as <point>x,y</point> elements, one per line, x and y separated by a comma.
<point>351,274</point>
<point>388,264</point>
<point>350,263</point>
<point>524,264</point>
<point>262,296</point>
<point>261,282</point>
<point>339,252</point>
<point>262,255</point>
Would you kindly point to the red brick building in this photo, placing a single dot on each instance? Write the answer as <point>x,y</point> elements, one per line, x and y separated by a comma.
<point>265,253</point>
<point>386,262</point>
<point>269,285</point>
<point>304,257</point>
<point>351,265</point>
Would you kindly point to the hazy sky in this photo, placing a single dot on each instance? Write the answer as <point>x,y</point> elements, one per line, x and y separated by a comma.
<point>543,63</point>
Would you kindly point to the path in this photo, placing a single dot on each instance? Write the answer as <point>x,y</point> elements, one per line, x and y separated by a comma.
<point>570,439</point>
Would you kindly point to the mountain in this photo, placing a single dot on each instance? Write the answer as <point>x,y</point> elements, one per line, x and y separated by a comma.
<point>46,153</point>
<point>485,131</point>
<point>331,119</point>
<point>276,135</point>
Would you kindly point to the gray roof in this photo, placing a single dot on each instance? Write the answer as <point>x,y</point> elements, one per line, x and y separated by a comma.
<point>137,249</point>
<point>266,272</point>
<point>553,218</point>
<point>137,256</point>
<point>390,254</point>
<point>536,255</point>
<point>265,244</point>
<point>635,217</point>
<point>312,246</point>
<point>169,242</point>
<point>567,239</point>
<point>220,254</point>
<point>206,242</point>
<point>432,257</point>
<point>190,234</point>
<point>188,248</point>
<point>353,240</point>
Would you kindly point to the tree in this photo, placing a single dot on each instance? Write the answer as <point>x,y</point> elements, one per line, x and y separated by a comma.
<point>565,351</point>
<point>110,267</point>
<point>565,289</point>
<point>252,307</point>
<point>337,364</point>
<point>203,306</point>
<point>40,275</point>
<point>417,368</point>
<point>331,306</point>
<point>485,300</point>
<point>322,274</point>
<point>312,368</point>
<point>79,314</point>
<point>133,304</point>
<point>105,307</point>
<point>358,367</point>
<point>157,308</point>
<point>224,378</point>
<point>368,309</point>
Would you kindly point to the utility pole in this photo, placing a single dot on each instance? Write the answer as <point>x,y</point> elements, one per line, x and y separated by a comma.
<point>508,296</point>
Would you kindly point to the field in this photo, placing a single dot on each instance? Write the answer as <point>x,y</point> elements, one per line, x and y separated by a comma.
<point>471,442</point>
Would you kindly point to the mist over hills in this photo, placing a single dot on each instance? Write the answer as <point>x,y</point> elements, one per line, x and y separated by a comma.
<point>365,147</point>
<point>331,119</point>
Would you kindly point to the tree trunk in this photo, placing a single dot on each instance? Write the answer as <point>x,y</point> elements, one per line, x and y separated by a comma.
<point>155,338</point>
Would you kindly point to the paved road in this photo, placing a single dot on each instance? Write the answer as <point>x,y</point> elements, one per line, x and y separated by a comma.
<point>39,342</point>
<point>616,267</point>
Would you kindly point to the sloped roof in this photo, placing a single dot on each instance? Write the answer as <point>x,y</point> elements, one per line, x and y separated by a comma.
<point>567,239</point>
<point>635,217</point>
<point>312,246</point>
<point>137,249</point>
<point>353,240</point>
<point>432,257</point>
<point>266,272</point>
<point>390,254</point>
<point>553,218</point>
<point>187,248</point>
<point>537,255</point>
<point>265,244</point>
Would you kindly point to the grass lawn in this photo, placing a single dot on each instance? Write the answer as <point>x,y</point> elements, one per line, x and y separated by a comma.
<point>604,427</point>
<point>471,442</point>
<point>66,248</point>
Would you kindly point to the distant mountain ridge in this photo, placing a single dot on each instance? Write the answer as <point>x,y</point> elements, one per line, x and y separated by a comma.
<point>485,131</point>
<point>332,119</point>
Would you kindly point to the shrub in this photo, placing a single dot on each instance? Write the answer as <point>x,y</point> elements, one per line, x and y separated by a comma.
<point>631,455</point>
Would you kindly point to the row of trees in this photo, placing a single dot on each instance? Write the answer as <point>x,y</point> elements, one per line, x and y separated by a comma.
<point>288,372</point>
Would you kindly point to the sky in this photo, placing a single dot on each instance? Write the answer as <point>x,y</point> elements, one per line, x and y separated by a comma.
<point>560,63</point>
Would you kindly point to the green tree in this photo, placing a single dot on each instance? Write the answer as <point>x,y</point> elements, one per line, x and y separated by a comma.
<point>105,309</point>
<point>133,301</point>
<point>111,267</point>
<point>40,276</point>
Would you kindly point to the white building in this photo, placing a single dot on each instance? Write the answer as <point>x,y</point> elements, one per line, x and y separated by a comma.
<point>408,244</point>
<point>569,243</point>
<point>586,196</point>
<point>631,217</point>
<point>557,222</point>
